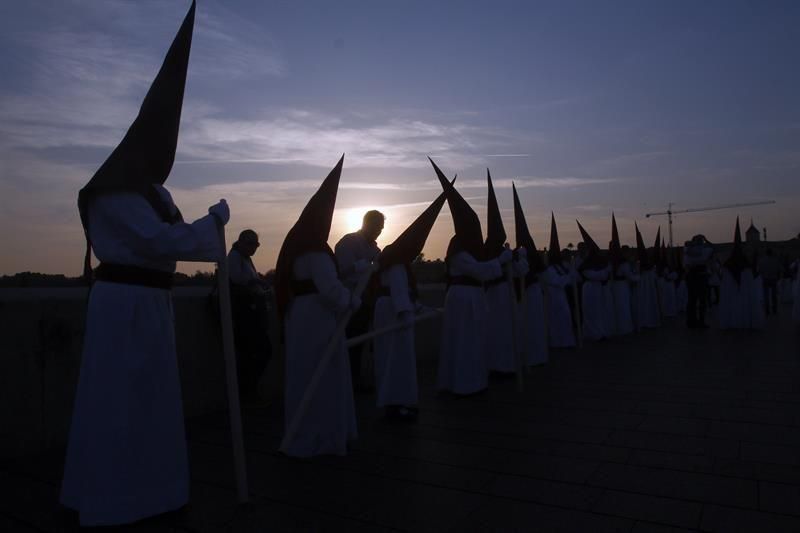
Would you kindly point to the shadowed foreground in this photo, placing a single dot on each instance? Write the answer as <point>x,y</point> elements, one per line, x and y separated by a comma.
<point>668,430</point>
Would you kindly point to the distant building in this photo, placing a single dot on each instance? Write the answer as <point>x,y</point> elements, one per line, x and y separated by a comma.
<point>752,235</point>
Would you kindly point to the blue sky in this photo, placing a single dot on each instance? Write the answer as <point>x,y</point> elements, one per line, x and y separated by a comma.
<point>588,106</point>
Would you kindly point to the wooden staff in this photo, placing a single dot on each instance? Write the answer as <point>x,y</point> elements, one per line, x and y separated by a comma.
<point>514,326</point>
<point>324,360</point>
<point>360,339</point>
<point>229,353</point>
<point>577,307</point>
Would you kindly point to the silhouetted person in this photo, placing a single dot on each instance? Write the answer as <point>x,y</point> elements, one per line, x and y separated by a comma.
<point>250,314</point>
<point>696,257</point>
<point>770,268</point>
<point>354,252</point>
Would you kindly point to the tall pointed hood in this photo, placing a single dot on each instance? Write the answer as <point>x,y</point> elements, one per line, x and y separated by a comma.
<point>594,259</point>
<point>145,155</point>
<point>657,251</point>
<point>737,261</point>
<point>614,247</point>
<point>554,250</point>
<point>495,232</point>
<point>524,238</point>
<point>467,225</point>
<point>587,239</point>
<point>641,249</point>
<point>309,234</point>
<point>409,244</point>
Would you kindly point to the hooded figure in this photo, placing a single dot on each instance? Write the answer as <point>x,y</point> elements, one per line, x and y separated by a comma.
<point>622,276</point>
<point>126,455</point>
<point>737,300</point>
<point>647,312</point>
<point>596,299</point>
<point>394,356</point>
<point>311,298</point>
<point>532,319</point>
<point>462,358</point>
<point>500,345</point>
<point>558,279</point>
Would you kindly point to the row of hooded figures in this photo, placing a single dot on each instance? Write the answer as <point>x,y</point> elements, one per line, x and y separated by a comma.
<point>127,455</point>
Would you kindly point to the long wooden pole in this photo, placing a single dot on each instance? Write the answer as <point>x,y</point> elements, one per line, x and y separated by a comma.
<point>324,360</point>
<point>360,339</point>
<point>229,353</point>
<point>514,326</point>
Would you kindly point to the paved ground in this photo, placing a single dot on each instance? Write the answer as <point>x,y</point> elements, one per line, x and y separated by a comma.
<point>668,430</point>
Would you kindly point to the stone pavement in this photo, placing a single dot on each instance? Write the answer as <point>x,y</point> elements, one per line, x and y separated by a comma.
<point>667,430</point>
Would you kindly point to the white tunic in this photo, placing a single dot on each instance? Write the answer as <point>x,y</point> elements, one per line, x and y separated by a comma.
<point>558,311</point>
<point>682,296</point>
<point>621,300</point>
<point>330,420</point>
<point>534,333</point>
<point>500,346</point>
<point>736,300</point>
<point>462,359</point>
<point>126,455</point>
<point>395,359</point>
<point>595,304</point>
<point>647,300</point>
<point>759,316</point>
<point>666,286</point>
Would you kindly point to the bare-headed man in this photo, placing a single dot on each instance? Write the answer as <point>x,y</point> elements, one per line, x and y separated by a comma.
<point>354,252</point>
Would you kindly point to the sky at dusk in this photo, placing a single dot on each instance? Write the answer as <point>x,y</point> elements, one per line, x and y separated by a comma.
<point>587,106</point>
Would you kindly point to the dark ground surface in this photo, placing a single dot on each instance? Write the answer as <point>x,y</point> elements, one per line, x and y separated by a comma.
<point>667,430</point>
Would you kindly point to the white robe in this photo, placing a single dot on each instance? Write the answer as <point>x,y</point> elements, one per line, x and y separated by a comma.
<point>395,359</point>
<point>666,287</point>
<point>500,348</point>
<point>682,296</point>
<point>126,456</point>
<point>558,311</point>
<point>736,300</point>
<point>594,301</point>
<point>533,329</point>
<point>310,322</point>
<point>462,358</point>
<point>647,300</point>
<point>621,291</point>
<point>759,317</point>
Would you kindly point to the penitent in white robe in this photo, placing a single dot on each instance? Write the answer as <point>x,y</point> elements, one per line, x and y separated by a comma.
<point>126,456</point>
<point>395,359</point>
<point>330,420</point>
<point>595,304</point>
<point>500,348</point>
<point>534,333</point>
<point>759,316</point>
<point>736,300</point>
<point>621,299</point>
<point>559,316</point>
<point>647,300</point>
<point>666,287</point>
<point>462,357</point>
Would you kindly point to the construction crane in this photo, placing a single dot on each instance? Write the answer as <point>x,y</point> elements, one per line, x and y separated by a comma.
<point>669,212</point>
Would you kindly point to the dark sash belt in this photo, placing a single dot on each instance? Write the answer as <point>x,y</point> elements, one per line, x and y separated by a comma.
<point>133,275</point>
<point>493,282</point>
<point>303,287</point>
<point>465,280</point>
